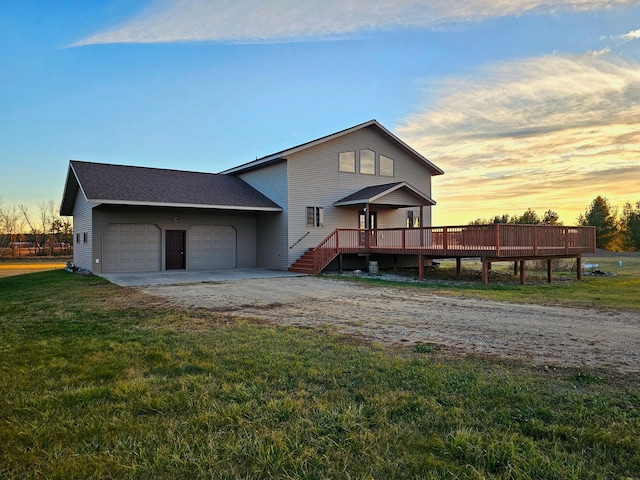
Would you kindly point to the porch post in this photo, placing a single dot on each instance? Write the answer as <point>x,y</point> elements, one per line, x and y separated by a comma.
<point>367,226</point>
<point>421,225</point>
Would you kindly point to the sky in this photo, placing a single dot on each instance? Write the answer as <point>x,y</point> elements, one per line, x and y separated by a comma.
<point>523,103</point>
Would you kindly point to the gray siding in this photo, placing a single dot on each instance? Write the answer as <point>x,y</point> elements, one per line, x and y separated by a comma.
<point>244,224</point>
<point>82,224</point>
<point>314,180</point>
<point>273,239</point>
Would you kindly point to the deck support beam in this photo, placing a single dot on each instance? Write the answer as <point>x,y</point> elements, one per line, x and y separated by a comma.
<point>420,267</point>
<point>485,271</point>
<point>458,268</point>
<point>522,272</point>
<point>579,267</point>
<point>549,271</point>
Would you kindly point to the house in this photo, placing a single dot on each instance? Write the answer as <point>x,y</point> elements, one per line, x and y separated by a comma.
<point>266,213</point>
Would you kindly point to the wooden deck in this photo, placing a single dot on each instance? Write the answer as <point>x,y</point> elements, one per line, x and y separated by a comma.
<point>492,243</point>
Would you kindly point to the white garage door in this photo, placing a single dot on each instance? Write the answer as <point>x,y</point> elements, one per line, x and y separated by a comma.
<point>211,246</point>
<point>132,248</point>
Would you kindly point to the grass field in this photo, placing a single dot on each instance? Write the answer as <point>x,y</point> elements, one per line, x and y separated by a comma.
<point>9,268</point>
<point>96,382</point>
<point>619,292</point>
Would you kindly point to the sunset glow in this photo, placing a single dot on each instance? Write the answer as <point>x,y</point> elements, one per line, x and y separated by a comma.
<point>524,104</point>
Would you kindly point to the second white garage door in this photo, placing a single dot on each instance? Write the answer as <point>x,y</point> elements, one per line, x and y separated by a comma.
<point>211,246</point>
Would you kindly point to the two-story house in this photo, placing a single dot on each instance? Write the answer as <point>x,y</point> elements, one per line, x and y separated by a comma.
<point>266,213</point>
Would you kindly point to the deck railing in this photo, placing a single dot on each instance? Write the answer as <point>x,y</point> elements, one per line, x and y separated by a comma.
<point>496,240</point>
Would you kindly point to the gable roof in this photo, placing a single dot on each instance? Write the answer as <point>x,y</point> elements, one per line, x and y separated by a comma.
<point>125,185</point>
<point>376,192</point>
<point>275,157</point>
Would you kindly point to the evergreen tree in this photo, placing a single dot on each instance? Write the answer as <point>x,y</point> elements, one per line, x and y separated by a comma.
<point>600,215</point>
<point>631,226</point>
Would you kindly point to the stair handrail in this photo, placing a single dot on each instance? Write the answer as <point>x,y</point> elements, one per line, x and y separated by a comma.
<point>299,240</point>
<point>319,259</point>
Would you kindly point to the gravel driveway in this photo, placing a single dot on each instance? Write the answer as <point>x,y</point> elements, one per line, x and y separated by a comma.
<point>542,335</point>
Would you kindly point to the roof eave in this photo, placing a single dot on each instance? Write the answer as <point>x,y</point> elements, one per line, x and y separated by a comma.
<point>185,205</point>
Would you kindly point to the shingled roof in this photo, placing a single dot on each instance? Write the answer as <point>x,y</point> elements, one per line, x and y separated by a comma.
<point>126,185</point>
<point>373,124</point>
<point>376,192</point>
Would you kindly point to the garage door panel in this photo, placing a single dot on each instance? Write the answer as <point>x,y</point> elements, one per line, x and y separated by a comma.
<point>212,246</point>
<point>132,248</point>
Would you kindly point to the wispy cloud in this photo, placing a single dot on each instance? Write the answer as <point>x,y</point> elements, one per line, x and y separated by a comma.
<point>293,20</point>
<point>547,132</point>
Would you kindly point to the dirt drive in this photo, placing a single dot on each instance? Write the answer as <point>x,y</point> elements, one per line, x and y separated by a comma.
<point>542,335</point>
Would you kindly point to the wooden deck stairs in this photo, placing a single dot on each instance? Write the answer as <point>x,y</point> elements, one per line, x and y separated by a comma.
<point>307,263</point>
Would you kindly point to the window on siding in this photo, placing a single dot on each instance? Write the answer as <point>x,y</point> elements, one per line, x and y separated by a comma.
<point>347,162</point>
<point>77,238</point>
<point>315,217</point>
<point>368,162</point>
<point>85,236</point>
<point>386,166</point>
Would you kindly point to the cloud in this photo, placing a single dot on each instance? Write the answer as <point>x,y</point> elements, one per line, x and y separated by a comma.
<point>294,20</point>
<point>546,132</point>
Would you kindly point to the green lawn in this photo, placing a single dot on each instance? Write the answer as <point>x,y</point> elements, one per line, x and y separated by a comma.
<point>618,292</point>
<point>96,382</point>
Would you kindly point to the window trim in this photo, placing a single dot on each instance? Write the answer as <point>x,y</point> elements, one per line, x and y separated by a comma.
<point>353,153</point>
<point>317,215</point>
<point>374,161</point>
<point>392,165</point>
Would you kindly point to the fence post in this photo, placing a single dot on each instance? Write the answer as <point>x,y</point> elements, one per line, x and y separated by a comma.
<point>444,240</point>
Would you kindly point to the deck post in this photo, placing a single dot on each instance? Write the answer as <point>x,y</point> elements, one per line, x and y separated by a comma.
<point>458,267</point>
<point>420,267</point>
<point>485,271</point>
<point>579,266</point>
<point>549,271</point>
<point>340,264</point>
<point>522,274</point>
<point>515,267</point>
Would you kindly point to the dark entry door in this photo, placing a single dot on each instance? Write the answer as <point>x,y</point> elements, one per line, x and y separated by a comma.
<point>175,250</point>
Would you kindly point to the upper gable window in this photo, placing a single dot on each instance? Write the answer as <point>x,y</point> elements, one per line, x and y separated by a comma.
<point>368,162</point>
<point>347,162</point>
<point>386,166</point>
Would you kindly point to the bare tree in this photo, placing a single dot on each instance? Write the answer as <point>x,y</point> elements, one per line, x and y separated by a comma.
<point>33,229</point>
<point>10,228</point>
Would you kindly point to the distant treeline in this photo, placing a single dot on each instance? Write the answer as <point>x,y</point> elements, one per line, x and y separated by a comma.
<point>615,231</point>
<point>46,233</point>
